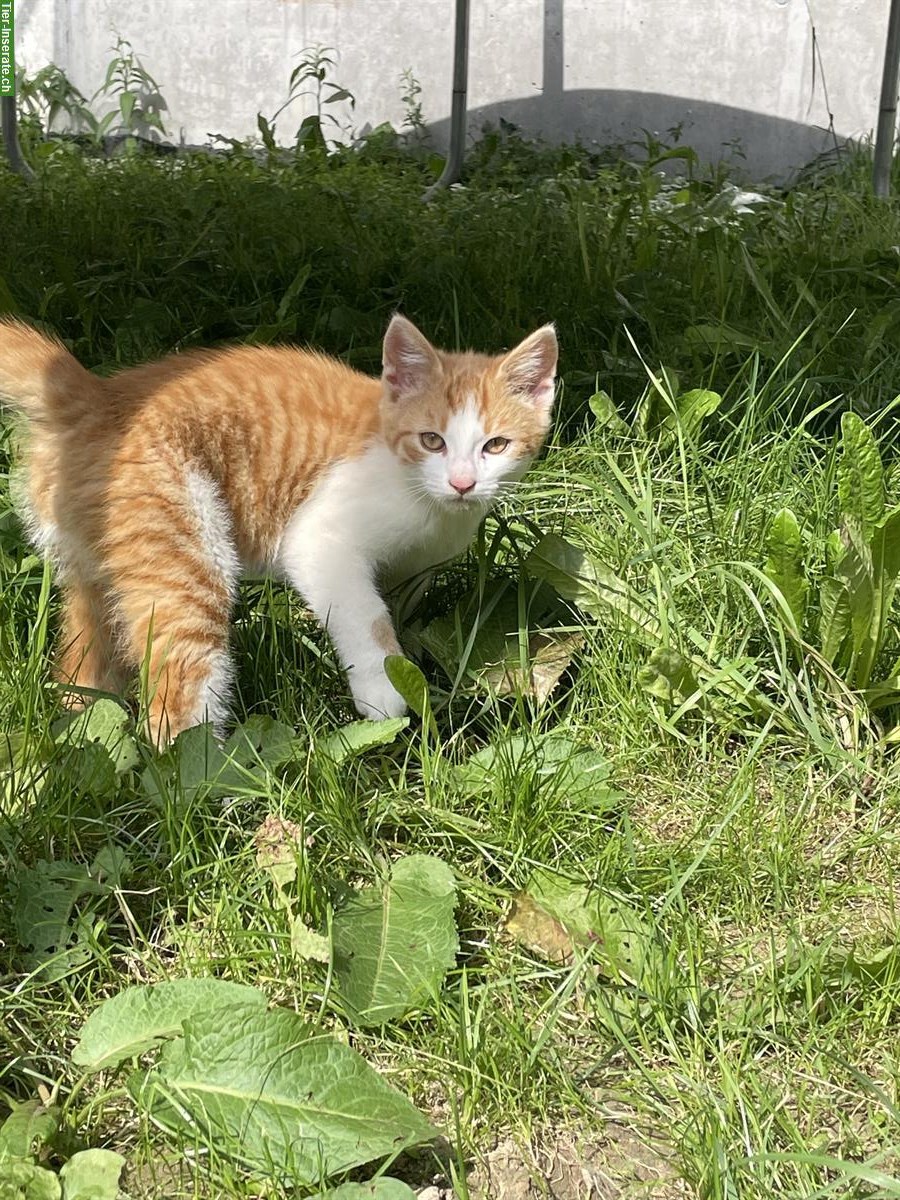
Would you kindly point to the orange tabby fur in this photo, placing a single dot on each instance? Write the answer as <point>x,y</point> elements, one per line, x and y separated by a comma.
<point>111,502</point>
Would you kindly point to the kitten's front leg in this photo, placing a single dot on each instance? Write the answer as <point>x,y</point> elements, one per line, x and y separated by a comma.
<point>339,588</point>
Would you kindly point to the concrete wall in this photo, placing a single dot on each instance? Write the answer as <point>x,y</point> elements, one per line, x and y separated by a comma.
<point>755,71</point>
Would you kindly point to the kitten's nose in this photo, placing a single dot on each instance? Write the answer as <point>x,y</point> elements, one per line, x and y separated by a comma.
<point>462,483</point>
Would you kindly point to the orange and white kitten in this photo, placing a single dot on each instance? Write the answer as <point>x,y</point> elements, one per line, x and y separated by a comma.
<point>154,489</point>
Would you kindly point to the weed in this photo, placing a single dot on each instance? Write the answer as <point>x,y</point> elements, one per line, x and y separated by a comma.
<point>309,79</point>
<point>414,117</point>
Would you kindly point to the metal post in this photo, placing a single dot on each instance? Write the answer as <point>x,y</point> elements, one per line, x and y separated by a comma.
<point>10,136</point>
<point>456,152</point>
<point>887,113</point>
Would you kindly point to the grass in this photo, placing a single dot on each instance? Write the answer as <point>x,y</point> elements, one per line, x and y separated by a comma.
<point>763,853</point>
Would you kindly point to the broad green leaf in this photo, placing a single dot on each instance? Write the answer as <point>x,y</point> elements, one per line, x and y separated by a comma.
<point>88,770</point>
<point>195,765</point>
<point>876,971</point>
<point>409,682</point>
<point>394,944</point>
<point>190,767</point>
<point>44,898</point>
<point>607,416</point>
<point>860,474</point>
<point>412,686</point>
<point>834,619</point>
<point>310,135</point>
<point>834,550</point>
<point>883,695</point>
<point>383,1188</point>
<point>267,132</point>
<point>92,1175</point>
<point>479,630</point>
<point>263,739</point>
<point>855,569</point>
<point>669,676</point>
<point>140,1017</point>
<point>44,907</point>
<point>273,1093</point>
<point>554,916</point>
<point>28,1128</point>
<point>359,736</point>
<point>105,723</point>
<point>589,584</point>
<point>692,409</point>
<point>885,549</point>
<point>24,758</point>
<point>553,763</point>
<point>475,631</point>
<point>845,978</point>
<point>126,107</point>
<point>886,546</point>
<point>307,944</point>
<point>111,867</point>
<point>646,416</point>
<point>623,942</point>
<point>24,1181</point>
<point>784,565</point>
<point>568,569</point>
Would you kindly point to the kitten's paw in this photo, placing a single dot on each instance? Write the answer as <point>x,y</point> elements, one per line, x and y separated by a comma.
<point>375,697</point>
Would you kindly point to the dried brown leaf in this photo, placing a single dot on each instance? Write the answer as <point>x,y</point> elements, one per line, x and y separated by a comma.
<point>549,656</point>
<point>535,929</point>
<point>278,844</point>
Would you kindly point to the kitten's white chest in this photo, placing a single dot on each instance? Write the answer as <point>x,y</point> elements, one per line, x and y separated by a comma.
<point>370,508</point>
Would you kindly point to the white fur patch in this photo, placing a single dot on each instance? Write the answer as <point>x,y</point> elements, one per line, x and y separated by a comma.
<point>66,551</point>
<point>365,516</point>
<point>42,533</point>
<point>465,433</point>
<point>215,526</point>
<point>464,458</point>
<point>217,539</point>
<point>215,695</point>
<point>376,510</point>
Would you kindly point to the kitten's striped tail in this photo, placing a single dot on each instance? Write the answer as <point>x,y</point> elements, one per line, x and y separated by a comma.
<point>40,378</point>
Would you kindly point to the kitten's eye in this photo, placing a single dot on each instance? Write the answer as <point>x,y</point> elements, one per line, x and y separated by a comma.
<point>495,445</point>
<point>432,441</point>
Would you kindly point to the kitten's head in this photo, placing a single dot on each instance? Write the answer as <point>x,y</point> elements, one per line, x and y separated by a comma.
<point>467,423</point>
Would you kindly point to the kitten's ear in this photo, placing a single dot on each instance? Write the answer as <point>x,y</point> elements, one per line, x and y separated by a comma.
<point>408,358</point>
<point>530,369</point>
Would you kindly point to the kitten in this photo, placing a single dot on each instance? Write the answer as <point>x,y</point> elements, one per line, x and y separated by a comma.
<point>153,489</point>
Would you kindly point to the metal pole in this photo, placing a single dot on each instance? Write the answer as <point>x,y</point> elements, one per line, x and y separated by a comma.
<point>10,136</point>
<point>887,113</point>
<point>456,152</point>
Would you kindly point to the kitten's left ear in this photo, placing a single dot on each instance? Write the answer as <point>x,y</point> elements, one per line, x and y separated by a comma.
<point>530,369</point>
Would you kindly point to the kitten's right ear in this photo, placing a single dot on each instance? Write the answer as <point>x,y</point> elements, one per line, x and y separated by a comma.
<point>408,358</point>
<point>531,367</point>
